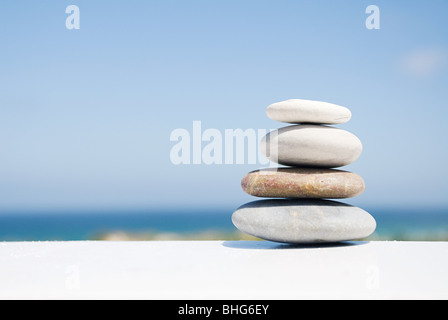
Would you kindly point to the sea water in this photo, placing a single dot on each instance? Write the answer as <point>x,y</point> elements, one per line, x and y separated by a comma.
<point>396,224</point>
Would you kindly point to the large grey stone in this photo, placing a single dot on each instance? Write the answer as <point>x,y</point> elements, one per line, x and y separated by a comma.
<point>307,111</point>
<point>311,145</point>
<point>303,221</point>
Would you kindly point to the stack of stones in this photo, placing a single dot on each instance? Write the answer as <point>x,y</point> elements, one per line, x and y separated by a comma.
<point>310,150</point>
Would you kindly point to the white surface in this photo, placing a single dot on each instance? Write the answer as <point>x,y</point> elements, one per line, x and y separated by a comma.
<point>223,270</point>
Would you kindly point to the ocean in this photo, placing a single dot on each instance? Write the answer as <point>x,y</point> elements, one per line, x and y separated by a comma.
<point>397,224</point>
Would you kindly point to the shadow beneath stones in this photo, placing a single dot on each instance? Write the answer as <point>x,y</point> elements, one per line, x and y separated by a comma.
<point>269,245</point>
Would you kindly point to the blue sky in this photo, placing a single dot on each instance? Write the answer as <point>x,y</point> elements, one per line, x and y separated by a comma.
<point>86,115</point>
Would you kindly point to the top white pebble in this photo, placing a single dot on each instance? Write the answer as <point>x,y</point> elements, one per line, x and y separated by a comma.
<point>307,111</point>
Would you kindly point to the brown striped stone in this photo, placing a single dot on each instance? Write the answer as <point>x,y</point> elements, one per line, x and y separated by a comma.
<point>303,183</point>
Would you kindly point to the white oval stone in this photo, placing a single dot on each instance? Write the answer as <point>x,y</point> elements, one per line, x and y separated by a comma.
<point>303,221</point>
<point>307,111</point>
<point>311,145</point>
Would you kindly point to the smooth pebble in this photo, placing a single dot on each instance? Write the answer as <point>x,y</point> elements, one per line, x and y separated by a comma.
<point>303,183</point>
<point>303,221</point>
<point>311,146</point>
<point>308,111</point>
